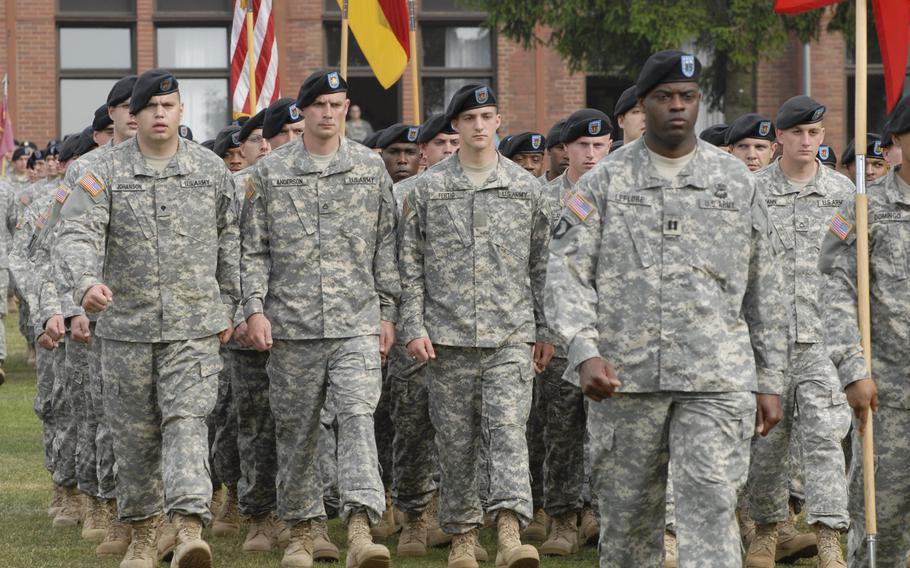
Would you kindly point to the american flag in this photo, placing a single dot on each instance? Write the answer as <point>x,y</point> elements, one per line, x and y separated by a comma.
<point>840,226</point>
<point>580,206</point>
<point>6,126</point>
<point>61,195</point>
<point>265,51</point>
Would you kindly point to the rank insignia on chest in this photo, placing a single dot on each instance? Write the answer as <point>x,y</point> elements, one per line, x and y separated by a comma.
<point>580,206</point>
<point>840,226</point>
<point>61,195</point>
<point>91,184</point>
<point>672,226</point>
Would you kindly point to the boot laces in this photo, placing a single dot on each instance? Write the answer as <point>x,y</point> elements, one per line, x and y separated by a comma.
<point>463,544</point>
<point>765,542</point>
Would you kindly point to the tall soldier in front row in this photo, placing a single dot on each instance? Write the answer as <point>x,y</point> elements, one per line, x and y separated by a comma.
<point>889,394</point>
<point>319,286</point>
<point>802,196</point>
<point>151,239</point>
<point>473,265</point>
<point>662,278</point>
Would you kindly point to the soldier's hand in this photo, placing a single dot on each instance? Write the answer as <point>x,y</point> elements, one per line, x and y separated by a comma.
<point>421,350</point>
<point>768,412</point>
<point>97,298</point>
<point>46,342</point>
<point>242,335</point>
<point>54,328</point>
<point>386,338</point>
<point>259,329</point>
<point>79,328</point>
<point>862,396</point>
<point>225,336</point>
<point>543,352</point>
<point>598,379</point>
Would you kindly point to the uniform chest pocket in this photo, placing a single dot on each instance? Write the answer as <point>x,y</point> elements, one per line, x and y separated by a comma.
<point>898,234</point>
<point>625,245</point>
<point>510,226</point>
<point>130,213</point>
<point>447,225</point>
<point>191,207</point>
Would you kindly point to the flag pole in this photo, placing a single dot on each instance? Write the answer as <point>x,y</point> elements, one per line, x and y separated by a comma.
<point>250,52</point>
<point>415,76</point>
<point>344,40</point>
<point>862,269</point>
<point>3,119</point>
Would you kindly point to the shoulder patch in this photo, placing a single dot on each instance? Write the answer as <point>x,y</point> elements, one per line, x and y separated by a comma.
<point>580,206</point>
<point>249,189</point>
<point>405,207</point>
<point>840,226</point>
<point>61,195</point>
<point>91,185</point>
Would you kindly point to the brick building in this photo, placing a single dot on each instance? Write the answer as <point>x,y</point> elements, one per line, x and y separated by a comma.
<point>63,55</point>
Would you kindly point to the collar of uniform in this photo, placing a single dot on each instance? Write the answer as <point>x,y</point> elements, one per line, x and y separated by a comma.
<point>459,179</point>
<point>691,175</point>
<point>782,185</point>
<point>892,188</point>
<point>304,164</point>
<point>141,168</point>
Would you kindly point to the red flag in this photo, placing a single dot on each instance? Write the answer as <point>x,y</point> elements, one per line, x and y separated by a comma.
<point>7,141</point>
<point>266,53</point>
<point>892,21</point>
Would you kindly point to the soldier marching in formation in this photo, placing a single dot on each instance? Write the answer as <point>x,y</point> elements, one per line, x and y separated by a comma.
<point>645,341</point>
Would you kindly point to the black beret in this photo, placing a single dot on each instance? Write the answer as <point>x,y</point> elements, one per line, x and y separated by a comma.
<point>887,141</point>
<point>102,119</point>
<point>122,90</point>
<point>281,112</point>
<point>53,148</point>
<point>227,138</point>
<point>68,147</point>
<point>240,120</point>
<point>826,155</point>
<point>209,144</point>
<point>372,141</point>
<point>252,124</point>
<point>152,83</point>
<point>716,134</point>
<point>873,149</point>
<point>750,126</point>
<point>616,145</point>
<point>899,121</point>
<point>524,143</point>
<point>86,141</point>
<point>27,144</point>
<point>320,83</point>
<point>554,136</point>
<point>470,96</point>
<point>797,110</point>
<point>36,155</point>
<point>185,132</point>
<point>404,133</point>
<point>670,66</point>
<point>627,101</point>
<point>437,124</point>
<point>586,122</point>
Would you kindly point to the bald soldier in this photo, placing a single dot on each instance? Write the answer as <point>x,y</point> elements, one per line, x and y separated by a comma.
<point>663,282</point>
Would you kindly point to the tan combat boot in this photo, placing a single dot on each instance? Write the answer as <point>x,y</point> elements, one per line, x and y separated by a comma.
<point>261,535</point>
<point>141,551</point>
<point>167,539</point>
<point>563,539</point>
<point>70,514</point>
<point>792,544</point>
<point>435,535</point>
<point>56,502</point>
<point>324,550</point>
<point>463,547</point>
<point>362,553</point>
<point>191,551</point>
<point>761,551</point>
<point>217,499</point>
<point>413,539</point>
<point>117,538</point>
<point>227,521</point>
<point>95,520</point>
<point>589,529</point>
<point>299,553</point>
<point>746,526</point>
<point>670,549</point>
<point>830,554</point>
<point>387,526</point>
<point>510,553</point>
<point>537,530</point>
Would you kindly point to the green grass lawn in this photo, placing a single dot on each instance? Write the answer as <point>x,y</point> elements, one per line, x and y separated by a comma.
<point>27,539</point>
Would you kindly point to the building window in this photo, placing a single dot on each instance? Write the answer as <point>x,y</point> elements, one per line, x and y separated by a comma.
<point>453,55</point>
<point>105,7</point>
<point>198,6</point>
<point>91,60</point>
<point>198,56</point>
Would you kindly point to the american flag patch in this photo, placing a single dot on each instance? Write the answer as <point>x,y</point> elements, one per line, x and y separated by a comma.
<point>567,197</point>
<point>91,184</point>
<point>840,227</point>
<point>249,189</point>
<point>61,195</point>
<point>580,206</point>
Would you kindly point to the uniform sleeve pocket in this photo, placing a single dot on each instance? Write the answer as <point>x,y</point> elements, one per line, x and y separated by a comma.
<point>210,367</point>
<point>371,360</point>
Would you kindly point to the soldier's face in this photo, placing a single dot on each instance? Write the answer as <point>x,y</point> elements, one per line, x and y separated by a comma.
<point>876,168</point>
<point>754,152</point>
<point>233,159</point>
<point>102,137</point>
<point>559,159</point>
<point>632,123</point>
<point>51,164</point>
<point>439,148</point>
<point>124,123</point>
<point>477,127</point>
<point>800,143</point>
<point>670,112</point>
<point>254,147</point>
<point>160,119</point>
<point>322,118</point>
<point>585,152</point>
<point>21,165</point>
<point>893,153</point>
<point>533,163</point>
<point>288,133</point>
<point>401,160</point>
